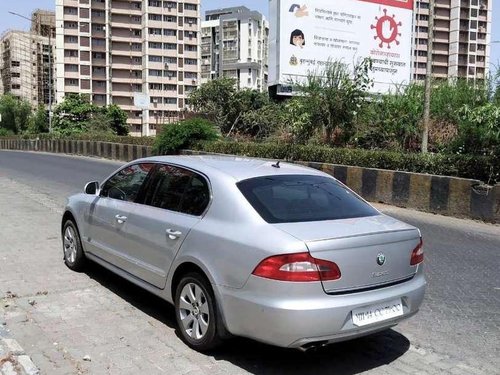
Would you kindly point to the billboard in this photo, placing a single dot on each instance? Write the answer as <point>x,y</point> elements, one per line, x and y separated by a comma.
<point>306,34</point>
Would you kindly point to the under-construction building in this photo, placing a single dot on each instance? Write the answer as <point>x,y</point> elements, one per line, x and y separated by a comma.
<point>27,61</point>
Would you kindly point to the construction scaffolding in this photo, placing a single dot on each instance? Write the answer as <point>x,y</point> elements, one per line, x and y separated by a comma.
<point>26,60</point>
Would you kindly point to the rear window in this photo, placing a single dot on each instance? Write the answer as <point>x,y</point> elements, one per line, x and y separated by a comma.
<point>299,198</point>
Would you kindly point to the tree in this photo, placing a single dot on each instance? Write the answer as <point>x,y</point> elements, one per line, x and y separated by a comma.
<point>117,118</point>
<point>40,121</point>
<point>184,134</point>
<point>73,114</point>
<point>8,111</point>
<point>214,100</point>
<point>334,95</point>
<point>76,114</point>
<point>15,113</point>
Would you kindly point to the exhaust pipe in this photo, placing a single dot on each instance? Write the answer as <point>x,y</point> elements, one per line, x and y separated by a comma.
<point>313,345</point>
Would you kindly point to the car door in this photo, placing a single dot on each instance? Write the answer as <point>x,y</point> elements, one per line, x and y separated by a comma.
<point>110,213</point>
<point>174,203</point>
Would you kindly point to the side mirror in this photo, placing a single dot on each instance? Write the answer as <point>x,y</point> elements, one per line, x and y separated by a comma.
<point>91,188</point>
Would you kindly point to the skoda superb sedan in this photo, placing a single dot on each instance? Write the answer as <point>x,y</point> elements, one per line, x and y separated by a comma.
<point>279,253</point>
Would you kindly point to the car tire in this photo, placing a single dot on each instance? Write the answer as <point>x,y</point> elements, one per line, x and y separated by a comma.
<point>73,254</point>
<point>196,313</point>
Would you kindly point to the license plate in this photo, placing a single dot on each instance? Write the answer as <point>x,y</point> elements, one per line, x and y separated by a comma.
<point>377,313</point>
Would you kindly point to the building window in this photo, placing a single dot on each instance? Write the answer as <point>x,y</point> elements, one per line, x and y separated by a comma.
<point>169,18</point>
<point>170,60</point>
<point>15,64</point>
<point>154,31</point>
<point>71,82</point>
<point>155,45</point>
<point>190,61</point>
<point>155,17</point>
<point>155,73</point>
<point>71,11</point>
<point>188,6</point>
<point>71,68</point>
<point>70,25</point>
<point>191,48</point>
<point>97,27</point>
<point>98,42</point>
<point>154,3</point>
<point>70,53</point>
<point>169,32</point>
<point>170,100</point>
<point>190,75</point>
<point>97,13</point>
<point>154,58</point>
<point>169,4</point>
<point>170,46</point>
<point>71,39</point>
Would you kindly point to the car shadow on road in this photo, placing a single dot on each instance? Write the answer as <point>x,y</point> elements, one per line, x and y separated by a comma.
<point>350,357</point>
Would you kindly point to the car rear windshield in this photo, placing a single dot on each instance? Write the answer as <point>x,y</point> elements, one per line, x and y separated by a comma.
<point>299,198</point>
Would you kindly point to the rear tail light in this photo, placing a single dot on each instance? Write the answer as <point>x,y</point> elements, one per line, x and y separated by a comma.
<point>417,255</point>
<point>299,267</point>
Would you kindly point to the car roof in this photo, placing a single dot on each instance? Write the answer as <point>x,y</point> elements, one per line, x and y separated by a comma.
<point>238,167</point>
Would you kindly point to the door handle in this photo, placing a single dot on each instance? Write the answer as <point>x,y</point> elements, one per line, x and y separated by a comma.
<point>173,234</point>
<point>120,219</point>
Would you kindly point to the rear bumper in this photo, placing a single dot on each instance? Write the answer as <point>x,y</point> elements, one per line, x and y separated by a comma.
<point>296,314</point>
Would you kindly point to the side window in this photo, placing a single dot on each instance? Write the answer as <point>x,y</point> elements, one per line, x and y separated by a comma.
<point>126,184</point>
<point>196,196</point>
<point>179,190</point>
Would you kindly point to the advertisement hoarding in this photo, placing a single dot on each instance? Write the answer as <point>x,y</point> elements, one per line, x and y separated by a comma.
<point>305,35</point>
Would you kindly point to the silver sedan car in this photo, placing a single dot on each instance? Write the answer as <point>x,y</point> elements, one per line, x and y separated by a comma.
<point>276,252</point>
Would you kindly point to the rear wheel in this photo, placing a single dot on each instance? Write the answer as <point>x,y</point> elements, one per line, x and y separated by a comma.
<point>196,312</point>
<point>74,257</point>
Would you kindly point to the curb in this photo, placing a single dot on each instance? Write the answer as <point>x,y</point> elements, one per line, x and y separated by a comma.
<point>13,358</point>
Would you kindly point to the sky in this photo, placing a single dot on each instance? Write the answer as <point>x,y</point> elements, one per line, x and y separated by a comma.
<point>25,7</point>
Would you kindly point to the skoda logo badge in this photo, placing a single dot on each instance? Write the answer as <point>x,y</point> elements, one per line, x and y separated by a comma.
<point>380,259</point>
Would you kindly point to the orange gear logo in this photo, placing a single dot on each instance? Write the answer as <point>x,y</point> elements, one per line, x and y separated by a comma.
<point>387,30</point>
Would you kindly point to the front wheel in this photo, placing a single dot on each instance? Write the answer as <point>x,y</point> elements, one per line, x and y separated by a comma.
<point>74,257</point>
<point>196,312</point>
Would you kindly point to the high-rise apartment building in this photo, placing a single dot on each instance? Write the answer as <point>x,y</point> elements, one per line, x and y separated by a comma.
<point>118,50</point>
<point>27,61</point>
<point>235,44</point>
<point>462,36</point>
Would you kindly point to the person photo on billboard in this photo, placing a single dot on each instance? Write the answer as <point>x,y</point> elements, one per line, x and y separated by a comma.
<point>297,38</point>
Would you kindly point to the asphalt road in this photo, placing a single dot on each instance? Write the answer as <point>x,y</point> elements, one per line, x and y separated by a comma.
<point>460,316</point>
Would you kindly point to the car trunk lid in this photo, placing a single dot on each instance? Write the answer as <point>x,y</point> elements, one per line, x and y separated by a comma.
<point>371,251</point>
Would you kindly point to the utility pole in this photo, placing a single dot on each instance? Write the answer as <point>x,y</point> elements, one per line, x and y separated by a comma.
<point>428,79</point>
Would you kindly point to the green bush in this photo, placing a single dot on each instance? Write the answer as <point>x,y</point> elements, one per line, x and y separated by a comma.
<point>184,134</point>
<point>484,168</point>
<point>5,132</point>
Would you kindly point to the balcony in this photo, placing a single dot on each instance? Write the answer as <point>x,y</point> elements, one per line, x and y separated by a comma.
<point>98,62</point>
<point>71,31</point>
<point>98,5</point>
<point>125,8</point>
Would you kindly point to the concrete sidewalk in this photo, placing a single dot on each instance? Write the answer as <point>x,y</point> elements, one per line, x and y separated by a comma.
<point>97,323</point>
